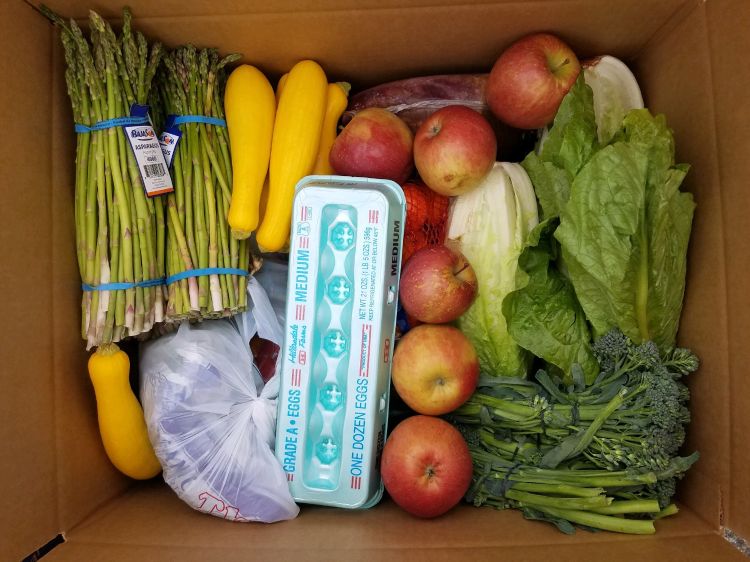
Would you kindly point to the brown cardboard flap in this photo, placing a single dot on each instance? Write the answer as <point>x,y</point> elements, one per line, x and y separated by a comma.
<point>86,478</point>
<point>150,521</point>
<point>683,549</point>
<point>729,26</point>
<point>53,466</point>
<point>371,45</point>
<point>196,8</point>
<point>675,73</point>
<point>28,474</point>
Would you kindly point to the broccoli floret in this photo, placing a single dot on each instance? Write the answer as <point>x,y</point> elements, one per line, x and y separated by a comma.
<point>663,394</point>
<point>661,406</point>
<point>645,356</point>
<point>684,396</point>
<point>680,362</point>
<point>470,433</point>
<point>615,352</point>
<point>657,411</point>
<point>664,490</point>
<point>611,349</point>
<point>666,441</point>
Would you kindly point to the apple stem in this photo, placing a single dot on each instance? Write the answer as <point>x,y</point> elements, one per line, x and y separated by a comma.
<point>554,69</point>
<point>462,269</point>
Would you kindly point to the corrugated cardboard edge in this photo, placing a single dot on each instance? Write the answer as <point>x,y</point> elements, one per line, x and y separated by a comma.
<point>318,28</point>
<point>54,468</point>
<point>676,68</point>
<point>728,23</point>
<point>151,517</point>
<point>721,26</point>
<point>27,463</point>
<point>698,548</point>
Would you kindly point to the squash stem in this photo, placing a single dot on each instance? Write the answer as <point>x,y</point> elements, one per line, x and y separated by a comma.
<point>107,349</point>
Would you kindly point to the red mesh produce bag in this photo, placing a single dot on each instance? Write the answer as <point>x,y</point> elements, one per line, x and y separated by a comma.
<point>426,215</point>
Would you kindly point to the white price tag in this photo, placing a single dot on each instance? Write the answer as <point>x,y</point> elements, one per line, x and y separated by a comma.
<point>151,163</point>
<point>168,142</point>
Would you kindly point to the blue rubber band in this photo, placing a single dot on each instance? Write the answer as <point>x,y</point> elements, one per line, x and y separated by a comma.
<point>180,119</point>
<point>205,271</point>
<point>166,281</point>
<point>122,286</point>
<point>110,123</point>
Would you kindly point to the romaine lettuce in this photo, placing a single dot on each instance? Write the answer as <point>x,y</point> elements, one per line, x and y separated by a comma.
<point>490,225</point>
<point>543,315</point>
<point>625,230</point>
<point>618,256</point>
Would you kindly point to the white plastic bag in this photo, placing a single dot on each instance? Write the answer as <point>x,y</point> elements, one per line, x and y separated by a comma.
<point>211,420</point>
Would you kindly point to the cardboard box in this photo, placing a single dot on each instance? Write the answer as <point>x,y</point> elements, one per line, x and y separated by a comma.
<point>691,59</point>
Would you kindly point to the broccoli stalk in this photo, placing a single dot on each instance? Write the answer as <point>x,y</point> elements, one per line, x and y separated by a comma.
<point>597,455</point>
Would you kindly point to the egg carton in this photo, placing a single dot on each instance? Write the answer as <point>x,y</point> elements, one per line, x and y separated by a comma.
<point>344,267</point>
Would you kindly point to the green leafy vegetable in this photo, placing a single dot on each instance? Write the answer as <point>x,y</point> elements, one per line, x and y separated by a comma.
<point>543,315</point>
<point>552,184</point>
<point>490,225</point>
<point>625,230</point>
<point>616,92</point>
<point>603,456</point>
<point>569,145</point>
<point>572,139</point>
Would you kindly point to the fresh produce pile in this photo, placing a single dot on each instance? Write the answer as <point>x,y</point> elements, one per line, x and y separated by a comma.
<point>276,142</point>
<point>565,275</point>
<point>544,295</point>
<point>235,151</point>
<point>490,225</point>
<point>615,217</point>
<point>137,248</point>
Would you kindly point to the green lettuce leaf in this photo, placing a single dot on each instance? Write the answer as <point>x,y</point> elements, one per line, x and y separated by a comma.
<point>544,315</point>
<point>625,230</point>
<point>570,143</point>
<point>669,215</point>
<point>598,234</point>
<point>552,184</point>
<point>490,225</point>
<point>573,137</point>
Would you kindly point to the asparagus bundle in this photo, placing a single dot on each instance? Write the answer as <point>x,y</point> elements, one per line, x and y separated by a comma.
<point>191,82</point>
<point>119,231</point>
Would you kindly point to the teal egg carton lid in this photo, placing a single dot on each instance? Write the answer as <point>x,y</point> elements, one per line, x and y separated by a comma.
<point>342,294</point>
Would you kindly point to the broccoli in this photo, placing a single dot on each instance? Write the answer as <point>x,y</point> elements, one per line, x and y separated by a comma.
<point>630,420</point>
<point>680,362</point>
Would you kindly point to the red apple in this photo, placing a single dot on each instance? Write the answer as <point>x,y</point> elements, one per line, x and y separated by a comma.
<point>530,79</point>
<point>438,285</point>
<point>374,144</point>
<point>454,149</point>
<point>426,466</point>
<point>435,369</point>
